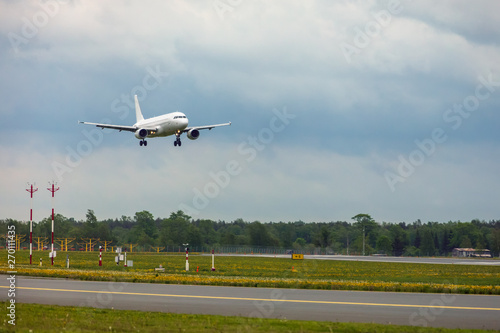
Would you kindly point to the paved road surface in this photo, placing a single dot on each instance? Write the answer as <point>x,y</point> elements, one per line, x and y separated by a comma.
<point>425,260</point>
<point>462,311</point>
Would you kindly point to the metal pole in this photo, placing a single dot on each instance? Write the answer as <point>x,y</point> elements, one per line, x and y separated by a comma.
<point>100,256</point>
<point>363,240</point>
<point>31,191</point>
<point>53,190</point>
<point>347,243</point>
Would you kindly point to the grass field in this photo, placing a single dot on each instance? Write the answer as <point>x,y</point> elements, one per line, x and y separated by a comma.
<point>34,318</point>
<point>265,272</point>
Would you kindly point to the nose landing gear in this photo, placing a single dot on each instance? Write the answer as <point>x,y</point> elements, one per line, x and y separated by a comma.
<point>143,142</point>
<point>177,141</point>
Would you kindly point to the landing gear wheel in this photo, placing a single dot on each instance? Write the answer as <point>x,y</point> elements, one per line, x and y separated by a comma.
<point>145,143</point>
<point>177,141</point>
<point>140,143</point>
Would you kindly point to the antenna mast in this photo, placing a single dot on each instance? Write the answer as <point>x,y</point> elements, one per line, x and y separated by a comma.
<point>53,190</point>
<point>31,190</point>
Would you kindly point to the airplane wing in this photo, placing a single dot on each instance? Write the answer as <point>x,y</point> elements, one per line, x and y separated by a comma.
<point>209,127</point>
<point>115,127</point>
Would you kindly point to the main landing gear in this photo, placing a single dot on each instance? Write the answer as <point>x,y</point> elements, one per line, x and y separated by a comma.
<point>143,143</point>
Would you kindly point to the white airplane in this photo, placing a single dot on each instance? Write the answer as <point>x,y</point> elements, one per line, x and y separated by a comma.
<point>164,125</point>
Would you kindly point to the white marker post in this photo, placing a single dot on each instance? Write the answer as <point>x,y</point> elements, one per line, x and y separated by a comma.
<point>187,259</point>
<point>100,256</point>
<point>213,261</point>
<point>118,252</point>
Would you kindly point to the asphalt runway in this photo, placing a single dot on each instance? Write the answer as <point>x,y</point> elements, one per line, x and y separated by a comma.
<point>415,260</point>
<point>438,310</point>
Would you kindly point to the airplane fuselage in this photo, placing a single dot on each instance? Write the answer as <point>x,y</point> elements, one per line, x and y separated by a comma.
<point>165,125</point>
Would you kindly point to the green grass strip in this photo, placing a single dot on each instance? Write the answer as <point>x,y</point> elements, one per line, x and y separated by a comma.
<point>251,271</point>
<point>49,318</point>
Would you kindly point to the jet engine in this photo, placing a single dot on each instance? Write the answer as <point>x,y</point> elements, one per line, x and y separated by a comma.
<point>193,134</point>
<point>141,133</point>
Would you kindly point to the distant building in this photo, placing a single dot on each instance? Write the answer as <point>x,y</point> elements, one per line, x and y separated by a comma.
<point>469,252</point>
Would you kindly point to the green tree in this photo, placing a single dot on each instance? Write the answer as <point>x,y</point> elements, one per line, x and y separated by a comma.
<point>366,225</point>
<point>259,235</point>
<point>180,215</point>
<point>194,237</point>
<point>445,243</point>
<point>42,228</point>
<point>384,245</point>
<point>208,234</point>
<point>495,242</point>
<point>465,242</point>
<point>299,243</point>
<point>145,222</point>
<point>285,233</point>
<point>418,239</point>
<point>322,238</point>
<point>459,230</point>
<point>228,238</point>
<point>427,247</point>
<point>104,232</point>
<point>174,229</point>
<point>356,246</point>
<point>143,239</point>
<point>399,239</point>
<point>90,225</point>
<point>412,251</point>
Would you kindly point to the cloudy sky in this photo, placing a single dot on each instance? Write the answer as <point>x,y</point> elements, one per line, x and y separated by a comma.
<point>389,108</point>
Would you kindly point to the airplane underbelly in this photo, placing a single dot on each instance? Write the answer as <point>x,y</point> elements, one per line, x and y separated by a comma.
<point>166,130</point>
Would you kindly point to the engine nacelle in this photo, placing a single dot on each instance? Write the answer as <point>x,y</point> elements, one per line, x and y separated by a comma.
<point>193,134</point>
<point>141,133</point>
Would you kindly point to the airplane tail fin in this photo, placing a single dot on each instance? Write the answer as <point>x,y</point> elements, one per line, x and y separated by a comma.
<point>138,113</point>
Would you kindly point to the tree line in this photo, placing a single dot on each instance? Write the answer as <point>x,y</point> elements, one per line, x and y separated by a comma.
<point>362,235</point>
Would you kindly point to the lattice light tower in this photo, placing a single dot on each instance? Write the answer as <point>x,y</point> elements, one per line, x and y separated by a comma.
<point>31,190</point>
<point>53,189</point>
